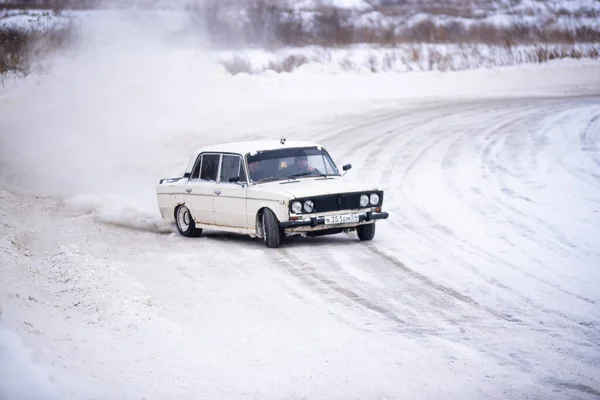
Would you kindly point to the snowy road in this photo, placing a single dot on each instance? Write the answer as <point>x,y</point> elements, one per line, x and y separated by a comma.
<point>483,283</point>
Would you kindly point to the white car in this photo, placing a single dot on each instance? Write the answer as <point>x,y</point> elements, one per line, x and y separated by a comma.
<point>268,189</point>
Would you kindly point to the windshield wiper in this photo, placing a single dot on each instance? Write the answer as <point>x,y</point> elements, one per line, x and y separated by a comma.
<point>270,179</point>
<point>306,174</point>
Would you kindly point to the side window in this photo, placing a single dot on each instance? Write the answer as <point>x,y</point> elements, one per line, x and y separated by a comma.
<point>210,167</point>
<point>196,170</point>
<point>230,168</point>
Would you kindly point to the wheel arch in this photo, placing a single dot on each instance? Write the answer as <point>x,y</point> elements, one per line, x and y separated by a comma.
<point>258,219</point>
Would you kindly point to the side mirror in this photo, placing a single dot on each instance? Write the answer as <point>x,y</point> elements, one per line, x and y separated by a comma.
<point>236,179</point>
<point>346,168</point>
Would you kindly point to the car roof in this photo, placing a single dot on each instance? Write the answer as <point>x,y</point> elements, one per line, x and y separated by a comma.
<point>249,147</point>
<point>254,146</point>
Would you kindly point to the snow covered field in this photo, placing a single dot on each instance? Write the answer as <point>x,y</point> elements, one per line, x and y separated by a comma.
<point>483,283</point>
<point>363,37</point>
<point>547,13</point>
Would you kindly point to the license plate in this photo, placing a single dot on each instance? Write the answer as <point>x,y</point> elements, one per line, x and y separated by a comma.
<point>341,219</point>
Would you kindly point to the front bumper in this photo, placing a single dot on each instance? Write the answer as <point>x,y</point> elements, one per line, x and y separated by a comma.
<point>315,221</point>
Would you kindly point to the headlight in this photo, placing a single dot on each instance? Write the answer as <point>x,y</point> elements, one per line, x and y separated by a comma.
<point>308,206</point>
<point>374,199</point>
<point>364,200</point>
<point>296,207</point>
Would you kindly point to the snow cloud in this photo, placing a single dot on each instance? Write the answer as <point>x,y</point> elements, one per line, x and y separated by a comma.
<point>99,121</point>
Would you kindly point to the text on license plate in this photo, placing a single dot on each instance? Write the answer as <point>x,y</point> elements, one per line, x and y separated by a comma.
<point>341,219</point>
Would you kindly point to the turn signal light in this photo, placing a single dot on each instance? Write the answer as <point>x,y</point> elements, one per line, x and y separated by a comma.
<point>378,209</point>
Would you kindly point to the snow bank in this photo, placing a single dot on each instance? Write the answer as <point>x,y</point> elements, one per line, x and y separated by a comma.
<point>65,287</point>
<point>36,19</point>
<point>21,378</point>
<point>401,58</point>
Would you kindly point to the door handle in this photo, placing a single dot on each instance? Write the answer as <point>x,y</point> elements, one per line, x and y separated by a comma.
<point>189,190</point>
<point>217,191</point>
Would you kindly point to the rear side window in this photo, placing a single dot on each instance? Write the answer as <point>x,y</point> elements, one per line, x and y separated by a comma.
<point>230,168</point>
<point>210,167</point>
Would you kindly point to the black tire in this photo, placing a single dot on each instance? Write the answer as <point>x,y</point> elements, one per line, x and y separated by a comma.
<point>185,223</point>
<point>271,231</point>
<point>366,232</point>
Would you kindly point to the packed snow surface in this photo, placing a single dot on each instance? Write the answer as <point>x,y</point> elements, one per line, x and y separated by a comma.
<point>483,283</point>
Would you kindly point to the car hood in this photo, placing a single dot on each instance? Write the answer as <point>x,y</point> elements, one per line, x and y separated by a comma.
<point>311,187</point>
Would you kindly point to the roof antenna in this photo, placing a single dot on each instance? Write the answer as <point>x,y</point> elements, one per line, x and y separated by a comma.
<point>282,141</point>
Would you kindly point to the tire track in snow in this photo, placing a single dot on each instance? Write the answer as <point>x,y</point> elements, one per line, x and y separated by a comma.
<point>590,331</point>
<point>509,211</point>
<point>586,149</point>
<point>445,230</point>
<point>318,282</point>
<point>499,123</point>
<point>405,153</point>
<point>423,117</point>
<point>373,137</point>
<point>495,170</point>
<point>414,307</point>
<point>589,139</point>
<point>380,146</point>
<point>574,323</point>
<point>454,294</point>
<point>493,138</point>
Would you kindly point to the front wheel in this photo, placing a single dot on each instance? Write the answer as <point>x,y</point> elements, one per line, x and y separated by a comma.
<point>185,223</point>
<point>270,227</point>
<point>366,232</point>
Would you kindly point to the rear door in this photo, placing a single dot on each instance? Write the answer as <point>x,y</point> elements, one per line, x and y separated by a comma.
<point>230,197</point>
<point>199,191</point>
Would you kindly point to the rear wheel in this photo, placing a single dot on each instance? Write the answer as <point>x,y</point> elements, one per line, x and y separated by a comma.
<point>185,223</point>
<point>366,232</point>
<point>270,228</point>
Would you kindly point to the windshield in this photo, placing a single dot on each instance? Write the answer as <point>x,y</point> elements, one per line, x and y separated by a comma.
<point>290,163</point>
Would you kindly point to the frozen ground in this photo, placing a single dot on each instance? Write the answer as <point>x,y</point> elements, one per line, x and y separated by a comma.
<point>482,284</point>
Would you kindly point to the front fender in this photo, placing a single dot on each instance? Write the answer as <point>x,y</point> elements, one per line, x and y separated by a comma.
<point>255,207</point>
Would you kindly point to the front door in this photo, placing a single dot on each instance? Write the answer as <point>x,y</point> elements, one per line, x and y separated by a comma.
<point>199,191</point>
<point>230,197</point>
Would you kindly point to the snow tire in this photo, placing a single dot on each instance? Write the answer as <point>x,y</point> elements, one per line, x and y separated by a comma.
<point>366,232</point>
<point>270,228</point>
<point>185,223</point>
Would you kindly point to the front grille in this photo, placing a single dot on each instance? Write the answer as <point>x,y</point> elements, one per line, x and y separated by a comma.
<point>339,201</point>
<point>345,201</point>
